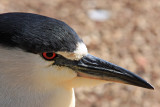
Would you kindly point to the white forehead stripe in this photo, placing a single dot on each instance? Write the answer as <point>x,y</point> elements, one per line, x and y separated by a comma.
<point>80,51</point>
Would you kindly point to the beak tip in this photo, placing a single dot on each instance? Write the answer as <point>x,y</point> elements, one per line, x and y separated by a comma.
<point>147,86</point>
<point>150,87</point>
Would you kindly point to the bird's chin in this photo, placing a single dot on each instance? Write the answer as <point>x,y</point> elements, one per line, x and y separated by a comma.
<point>86,82</point>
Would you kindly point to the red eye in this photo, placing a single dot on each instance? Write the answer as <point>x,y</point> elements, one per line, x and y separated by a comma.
<point>49,55</point>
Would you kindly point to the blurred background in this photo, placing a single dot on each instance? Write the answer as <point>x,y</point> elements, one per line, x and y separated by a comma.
<point>124,32</point>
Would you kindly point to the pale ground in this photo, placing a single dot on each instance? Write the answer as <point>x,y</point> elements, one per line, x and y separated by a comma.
<point>129,38</point>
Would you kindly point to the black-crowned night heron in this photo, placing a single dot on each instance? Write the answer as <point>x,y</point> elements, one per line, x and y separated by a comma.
<point>42,59</point>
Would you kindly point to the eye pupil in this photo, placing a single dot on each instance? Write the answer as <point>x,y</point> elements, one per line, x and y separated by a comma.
<point>49,55</point>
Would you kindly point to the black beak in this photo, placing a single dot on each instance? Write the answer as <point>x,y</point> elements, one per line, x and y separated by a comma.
<point>92,67</point>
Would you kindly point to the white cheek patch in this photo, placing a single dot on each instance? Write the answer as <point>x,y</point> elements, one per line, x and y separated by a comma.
<point>80,51</point>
